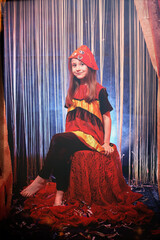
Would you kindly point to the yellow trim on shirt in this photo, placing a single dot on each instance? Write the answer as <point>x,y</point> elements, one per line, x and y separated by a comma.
<point>92,107</point>
<point>89,140</point>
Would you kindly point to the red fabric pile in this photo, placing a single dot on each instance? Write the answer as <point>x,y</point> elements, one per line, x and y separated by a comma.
<point>97,192</point>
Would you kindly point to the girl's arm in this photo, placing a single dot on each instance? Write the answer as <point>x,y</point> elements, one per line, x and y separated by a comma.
<point>107,133</point>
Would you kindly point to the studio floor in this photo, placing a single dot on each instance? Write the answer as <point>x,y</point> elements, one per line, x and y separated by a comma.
<point>19,225</point>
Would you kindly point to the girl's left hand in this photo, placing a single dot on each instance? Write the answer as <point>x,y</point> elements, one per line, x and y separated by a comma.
<point>107,148</point>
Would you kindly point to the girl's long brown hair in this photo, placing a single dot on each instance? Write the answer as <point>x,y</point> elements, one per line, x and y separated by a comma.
<point>75,82</point>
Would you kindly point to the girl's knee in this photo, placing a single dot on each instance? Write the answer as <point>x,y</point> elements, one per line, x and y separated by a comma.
<point>62,140</point>
<point>56,139</point>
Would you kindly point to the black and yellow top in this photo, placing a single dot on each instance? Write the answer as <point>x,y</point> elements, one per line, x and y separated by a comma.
<point>85,119</point>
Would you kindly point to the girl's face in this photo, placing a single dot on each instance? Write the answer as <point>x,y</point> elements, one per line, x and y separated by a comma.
<point>79,69</point>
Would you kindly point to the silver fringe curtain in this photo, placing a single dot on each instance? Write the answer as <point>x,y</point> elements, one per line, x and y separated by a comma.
<point>39,37</point>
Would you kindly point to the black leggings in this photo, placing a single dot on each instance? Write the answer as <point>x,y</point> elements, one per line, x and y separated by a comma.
<point>57,161</point>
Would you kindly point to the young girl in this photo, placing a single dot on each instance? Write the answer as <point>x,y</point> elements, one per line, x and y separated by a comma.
<point>88,124</point>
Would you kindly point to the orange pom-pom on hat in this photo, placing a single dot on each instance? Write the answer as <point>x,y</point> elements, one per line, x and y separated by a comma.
<point>84,54</point>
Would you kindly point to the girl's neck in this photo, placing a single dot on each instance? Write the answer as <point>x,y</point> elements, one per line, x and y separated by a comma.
<point>83,81</point>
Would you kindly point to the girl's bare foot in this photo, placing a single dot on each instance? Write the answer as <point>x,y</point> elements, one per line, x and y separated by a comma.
<point>58,198</point>
<point>34,187</point>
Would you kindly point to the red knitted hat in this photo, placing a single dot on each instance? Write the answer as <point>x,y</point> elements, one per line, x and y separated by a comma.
<point>84,54</point>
